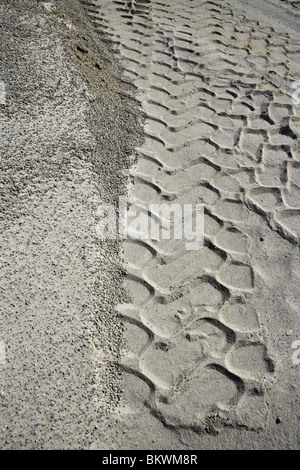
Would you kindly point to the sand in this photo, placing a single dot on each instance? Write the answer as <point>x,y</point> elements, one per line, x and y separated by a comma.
<point>67,128</point>
<point>143,344</point>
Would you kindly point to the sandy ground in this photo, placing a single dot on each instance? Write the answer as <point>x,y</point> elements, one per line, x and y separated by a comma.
<point>67,128</point>
<point>144,344</point>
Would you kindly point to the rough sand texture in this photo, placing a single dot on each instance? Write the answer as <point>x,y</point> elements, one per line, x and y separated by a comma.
<point>203,346</point>
<point>67,128</point>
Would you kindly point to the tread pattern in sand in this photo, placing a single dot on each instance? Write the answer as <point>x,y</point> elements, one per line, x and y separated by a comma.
<point>219,130</point>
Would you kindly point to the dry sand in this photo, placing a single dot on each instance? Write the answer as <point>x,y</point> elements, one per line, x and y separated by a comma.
<point>144,344</point>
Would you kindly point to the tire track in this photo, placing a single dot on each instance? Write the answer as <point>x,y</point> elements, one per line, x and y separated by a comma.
<point>219,130</point>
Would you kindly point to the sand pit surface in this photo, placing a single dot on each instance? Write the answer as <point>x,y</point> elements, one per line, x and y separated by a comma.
<point>182,102</point>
